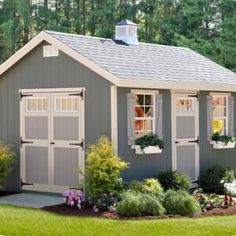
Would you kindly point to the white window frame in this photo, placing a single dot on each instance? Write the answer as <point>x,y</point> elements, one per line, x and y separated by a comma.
<point>147,92</point>
<point>226,95</point>
<point>67,111</point>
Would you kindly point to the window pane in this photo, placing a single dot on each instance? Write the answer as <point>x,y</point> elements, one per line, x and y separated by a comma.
<point>139,124</point>
<point>148,99</point>
<point>140,99</point>
<point>219,111</point>
<point>139,111</point>
<point>148,125</point>
<point>184,105</point>
<point>219,101</point>
<point>219,126</point>
<point>148,111</point>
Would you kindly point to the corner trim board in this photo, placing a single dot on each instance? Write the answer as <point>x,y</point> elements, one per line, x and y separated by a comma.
<point>114,128</point>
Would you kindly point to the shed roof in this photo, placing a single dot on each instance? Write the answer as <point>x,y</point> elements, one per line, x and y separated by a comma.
<point>139,66</point>
<point>148,61</point>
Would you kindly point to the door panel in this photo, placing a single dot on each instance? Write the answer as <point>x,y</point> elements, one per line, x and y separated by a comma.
<point>51,135</point>
<point>185,130</point>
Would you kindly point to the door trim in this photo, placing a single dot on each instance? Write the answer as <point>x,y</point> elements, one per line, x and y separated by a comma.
<point>49,91</point>
<point>173,130</point>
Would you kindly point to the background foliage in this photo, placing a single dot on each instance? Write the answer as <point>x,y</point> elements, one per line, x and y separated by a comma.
<point>207,26</point>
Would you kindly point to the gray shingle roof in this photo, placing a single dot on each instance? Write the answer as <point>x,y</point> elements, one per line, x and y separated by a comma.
<point>147,61</point>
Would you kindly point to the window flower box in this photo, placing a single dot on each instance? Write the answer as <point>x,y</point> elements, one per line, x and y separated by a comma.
<point>223,141</point>
<point>147,150</point>
<point>223,145</point>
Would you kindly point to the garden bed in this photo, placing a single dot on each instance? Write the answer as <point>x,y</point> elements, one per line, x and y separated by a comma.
<point>63,209</point>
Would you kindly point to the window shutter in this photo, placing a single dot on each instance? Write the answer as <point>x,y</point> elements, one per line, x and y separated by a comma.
<point>209,117</point>
<point>158,115</point>
<point>231,115</point>
<point>131,118</point>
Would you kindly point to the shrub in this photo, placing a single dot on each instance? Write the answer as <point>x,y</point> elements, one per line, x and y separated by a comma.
<point>107,202</point>
<point>103,169</point>
<point>212,181</point>
<point>180,203</point>
<point>174,180</point>
<point>7,158</point>
<point>150,186</point>
<point>207,201</point>
<point>139,204</point>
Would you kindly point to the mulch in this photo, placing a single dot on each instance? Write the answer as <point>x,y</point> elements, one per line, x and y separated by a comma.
<point>65,210</point>
<point>3,193</point>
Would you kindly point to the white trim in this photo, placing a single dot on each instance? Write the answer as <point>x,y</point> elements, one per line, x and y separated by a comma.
<point>114,113</point>
<point>50,90</point>
<point>131,83</point>
<point>173,85</point>
<point>184,142</point>
<point>144,91</point>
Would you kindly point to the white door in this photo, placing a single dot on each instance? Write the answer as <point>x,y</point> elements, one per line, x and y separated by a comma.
<point>185,133</point>
<point>52,139</point>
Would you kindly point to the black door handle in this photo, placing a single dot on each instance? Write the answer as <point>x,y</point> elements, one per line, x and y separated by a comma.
<point>194,141</point>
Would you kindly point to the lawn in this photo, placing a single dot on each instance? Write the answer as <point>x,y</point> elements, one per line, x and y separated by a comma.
<point>26,222</point>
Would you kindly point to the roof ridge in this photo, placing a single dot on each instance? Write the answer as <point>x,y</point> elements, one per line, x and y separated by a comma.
<point>109,39</point>
<point>76,35</point>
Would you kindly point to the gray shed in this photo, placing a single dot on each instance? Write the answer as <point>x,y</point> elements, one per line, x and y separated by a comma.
<point>61,92</point>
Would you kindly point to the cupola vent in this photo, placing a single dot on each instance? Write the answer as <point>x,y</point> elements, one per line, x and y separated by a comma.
<point>127,32</point>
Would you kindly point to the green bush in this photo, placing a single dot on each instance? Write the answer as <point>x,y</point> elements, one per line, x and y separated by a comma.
<point>139,204</point>
<point>213,179</point>
<point>103,170</point>
<point>180,203</point>
<point>150,186</point>
<point>7,158</point>
<point>174,180</point>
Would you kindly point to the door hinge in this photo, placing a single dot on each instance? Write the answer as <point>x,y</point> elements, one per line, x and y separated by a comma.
<point>24,142</point>
<point>81,144</point>
<point>81,94</point>
<point>194,96</point>
<point>24,95</point>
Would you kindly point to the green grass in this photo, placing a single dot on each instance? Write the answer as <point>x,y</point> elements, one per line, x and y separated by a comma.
<point>26,222</point>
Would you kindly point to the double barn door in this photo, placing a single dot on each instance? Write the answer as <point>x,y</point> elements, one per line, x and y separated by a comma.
<point>52,140</point>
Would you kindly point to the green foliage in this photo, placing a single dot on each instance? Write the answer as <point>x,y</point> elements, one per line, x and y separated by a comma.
<point>103,169</point>
<point>149,140</point>
<point>180,203</point>
<point>7,158</point>
<point>149,186</point>
<point>139,204</point>
<point>213,179</point>
<point>208,201</point>
<point>222,138</point>
<point>174,180</point>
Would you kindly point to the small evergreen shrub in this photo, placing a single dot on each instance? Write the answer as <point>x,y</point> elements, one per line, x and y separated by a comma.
<point>103,170</point>
<point>213,179</point>
<point>174,180</point>
<point>150,186</point>
<point>180,203</point>
<point>139,204</point>
<point>7,158</point>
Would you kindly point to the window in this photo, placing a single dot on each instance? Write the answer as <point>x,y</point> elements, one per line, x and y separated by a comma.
<point>144,114</point>
<point>184,105</point>
<point>36,104</point>
<point>67,104</point>
<point>220,114</point>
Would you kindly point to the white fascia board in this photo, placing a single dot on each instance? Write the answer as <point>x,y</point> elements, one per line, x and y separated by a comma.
<point>154,84</point>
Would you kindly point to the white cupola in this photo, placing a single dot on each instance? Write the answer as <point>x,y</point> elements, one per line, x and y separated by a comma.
<point>127,32</point>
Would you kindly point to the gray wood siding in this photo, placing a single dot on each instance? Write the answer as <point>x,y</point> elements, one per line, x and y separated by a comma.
<point>143,166</point>
<point>208,155</point>
<point>34,71</point>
